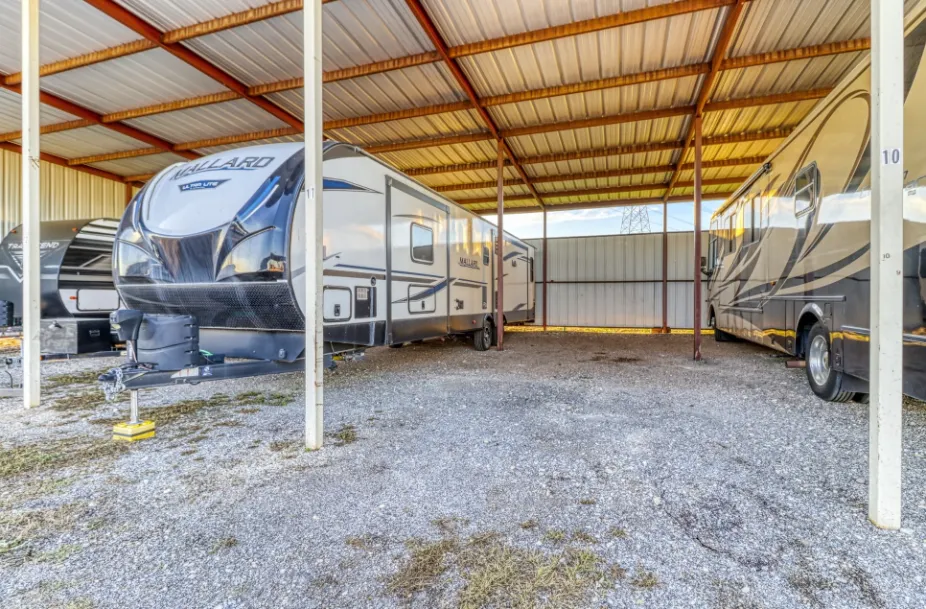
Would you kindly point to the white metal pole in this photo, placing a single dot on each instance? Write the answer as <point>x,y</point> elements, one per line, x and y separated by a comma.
<point>31,211</point>
<point>886,285</point>
<point>314,332</point>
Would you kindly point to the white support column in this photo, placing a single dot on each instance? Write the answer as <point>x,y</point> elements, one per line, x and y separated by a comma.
<point>886,352</point>
<point>31,212</point>
<point>314,332</point>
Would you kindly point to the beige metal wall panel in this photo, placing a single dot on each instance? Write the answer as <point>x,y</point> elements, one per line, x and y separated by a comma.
<point>140,165</point>
<point>134,81</point>
<point>88,141</point>
<point>68,29</point>
<point>11,119</point>
<point>65,193</point>
<point>215,120</point>
<point>616,281</point>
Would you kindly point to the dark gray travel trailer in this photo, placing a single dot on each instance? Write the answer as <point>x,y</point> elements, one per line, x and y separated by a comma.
<point>789,252</point>
<point>221,239</point>
<point>77,288</point>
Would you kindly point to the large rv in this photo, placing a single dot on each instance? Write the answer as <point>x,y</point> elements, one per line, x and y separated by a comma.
<point>788,259</point>
<point>222,238</point>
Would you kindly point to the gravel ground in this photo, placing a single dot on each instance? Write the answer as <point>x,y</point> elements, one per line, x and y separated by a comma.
<point>571,470</point>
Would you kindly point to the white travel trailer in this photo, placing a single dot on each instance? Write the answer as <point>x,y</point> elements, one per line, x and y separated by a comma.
<point>220,239</point>
<point>789,251</point>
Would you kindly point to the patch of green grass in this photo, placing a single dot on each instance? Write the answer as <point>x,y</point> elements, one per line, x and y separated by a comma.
<point>248,410</point>
<point>347,434</point>
<point>57,454</point>
<point>86,377</point>
<point>58,555</point>
<point>529,525</point>
<point>588,501</point>
<point>224,543</point>
<point>20,527</point>
<point>425,565</point>
<point>278,399</point>
<point>484,571</point>
<point>644,579</point>
<point>80,603</point>
<point>555,535</point>
<point>83,401</point>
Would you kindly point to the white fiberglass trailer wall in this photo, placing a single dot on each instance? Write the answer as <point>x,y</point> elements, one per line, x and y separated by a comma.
<point>220,238</point>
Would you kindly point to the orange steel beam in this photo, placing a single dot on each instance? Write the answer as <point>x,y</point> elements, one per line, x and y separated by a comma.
<point>114,156</point>
<point>184,104</point>
<point>149,32</point>
<point>768,100</point>
<point>57,160</point>
<point>613,173</point>
<point>819,50</point>
<point>238,139</point>
<point>597,204</point>
<point>69,125</point>
<point>730,24</point>
<point>267,11</point>
<point>97,119</point>
<point>616,119</point>
<point>87,59</point>
<point>139,179</point>
<point>428,26</point>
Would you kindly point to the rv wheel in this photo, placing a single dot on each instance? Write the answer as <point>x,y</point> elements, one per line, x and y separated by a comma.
<point>719,335</point>
<point>824,381</point>
<point>482,338</point>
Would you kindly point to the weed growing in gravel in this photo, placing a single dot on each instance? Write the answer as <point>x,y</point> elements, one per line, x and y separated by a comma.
<point>85,401</point>
<point>583,537</point>
<point>588,501</point>
<point>57,454</point>
<point>224,543</point>
<point>347,434</point>
<point>86,377</point>
<point>644,579</point>
<point>529,525</point>
<point>449,525</point>
<point>58,555</point>
<point>617,533</point>
<point>20,527</point>
<point>495,574</point>
<point>912,405</point>
<point>80,603</point>
<point>555,535</point>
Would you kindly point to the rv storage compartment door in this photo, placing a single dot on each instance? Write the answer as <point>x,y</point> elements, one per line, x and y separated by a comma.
<point>337,304</point>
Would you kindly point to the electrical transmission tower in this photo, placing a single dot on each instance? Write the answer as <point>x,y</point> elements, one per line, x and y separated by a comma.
<point>635,220</point>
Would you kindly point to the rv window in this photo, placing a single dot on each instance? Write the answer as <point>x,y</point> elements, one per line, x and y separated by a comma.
<point>748,216</point>
<point>805,191</point>
<point>422,244</point>
<point>530,267</point>
<point>731,235</point>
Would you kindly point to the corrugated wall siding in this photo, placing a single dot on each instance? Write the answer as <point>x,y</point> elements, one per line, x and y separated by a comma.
<point>66,194</point>
<point>616,281</point>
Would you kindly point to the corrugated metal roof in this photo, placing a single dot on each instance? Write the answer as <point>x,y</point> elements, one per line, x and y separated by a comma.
<point>139,165</point>
<point>11,117</point>
<point>358,32</point>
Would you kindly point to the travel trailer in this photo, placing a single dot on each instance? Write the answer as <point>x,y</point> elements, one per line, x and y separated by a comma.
<point>788,259</point>
<point>77,291</point>
<point>221,239</point>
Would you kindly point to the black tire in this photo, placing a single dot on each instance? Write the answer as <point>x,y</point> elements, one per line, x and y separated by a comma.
<point>862,398</point>
<point>824,380</point>
<point>719,335</point>
<point>482,338</point>
<point>397,346</point>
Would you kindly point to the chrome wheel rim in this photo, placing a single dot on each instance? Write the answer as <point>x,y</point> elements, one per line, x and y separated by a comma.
<point>818,360</point>
<point>487,334</point>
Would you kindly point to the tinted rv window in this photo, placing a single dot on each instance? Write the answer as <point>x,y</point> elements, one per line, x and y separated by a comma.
<point>805,191</point>
<point>422,244</point>
<point>731,234</point>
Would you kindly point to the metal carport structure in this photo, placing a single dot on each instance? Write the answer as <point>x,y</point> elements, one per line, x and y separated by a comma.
<point>517,104</point>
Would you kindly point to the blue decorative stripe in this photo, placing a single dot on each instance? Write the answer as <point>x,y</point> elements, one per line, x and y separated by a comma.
<point>362,268</point>
<point>344,185</point>
<point>434,289</point>
<point>512,255</point>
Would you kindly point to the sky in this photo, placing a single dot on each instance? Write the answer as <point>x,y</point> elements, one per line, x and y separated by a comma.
<point>603,221</point>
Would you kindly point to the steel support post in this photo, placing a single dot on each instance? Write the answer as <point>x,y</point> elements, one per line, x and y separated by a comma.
<point>500,305</point>
<point>31,212</point>
<point>886,346</point>
<point>314,331</point>
<point>665,265</point>
<point>546,260</point>
<point>697,240</point>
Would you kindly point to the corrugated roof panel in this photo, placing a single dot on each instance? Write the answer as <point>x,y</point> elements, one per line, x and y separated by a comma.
<point>88,141</point>
<point>11,117</point>
<point>661,130</point>
<point>172,14</point>
<point>607,102</point>
<point>438,125</point>
<point>785,77</point>
<point>140,165</point>
<point>478,193</point>
<point>736,175</point>
<point>216,120</point>
<point>757,118</point>
<point>762,148</point>
<point>129,82</point>
<point>465,177</point>
<point>273,140</point>
<point>454,154</point>
<point>611,163</point>
<point>637,180</point>
<point>681,40</point>
<point>67,29</point>
<point>643,193</point>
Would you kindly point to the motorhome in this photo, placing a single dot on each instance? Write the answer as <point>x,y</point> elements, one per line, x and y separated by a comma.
<point>788,259</point>
<point>222,239</point>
